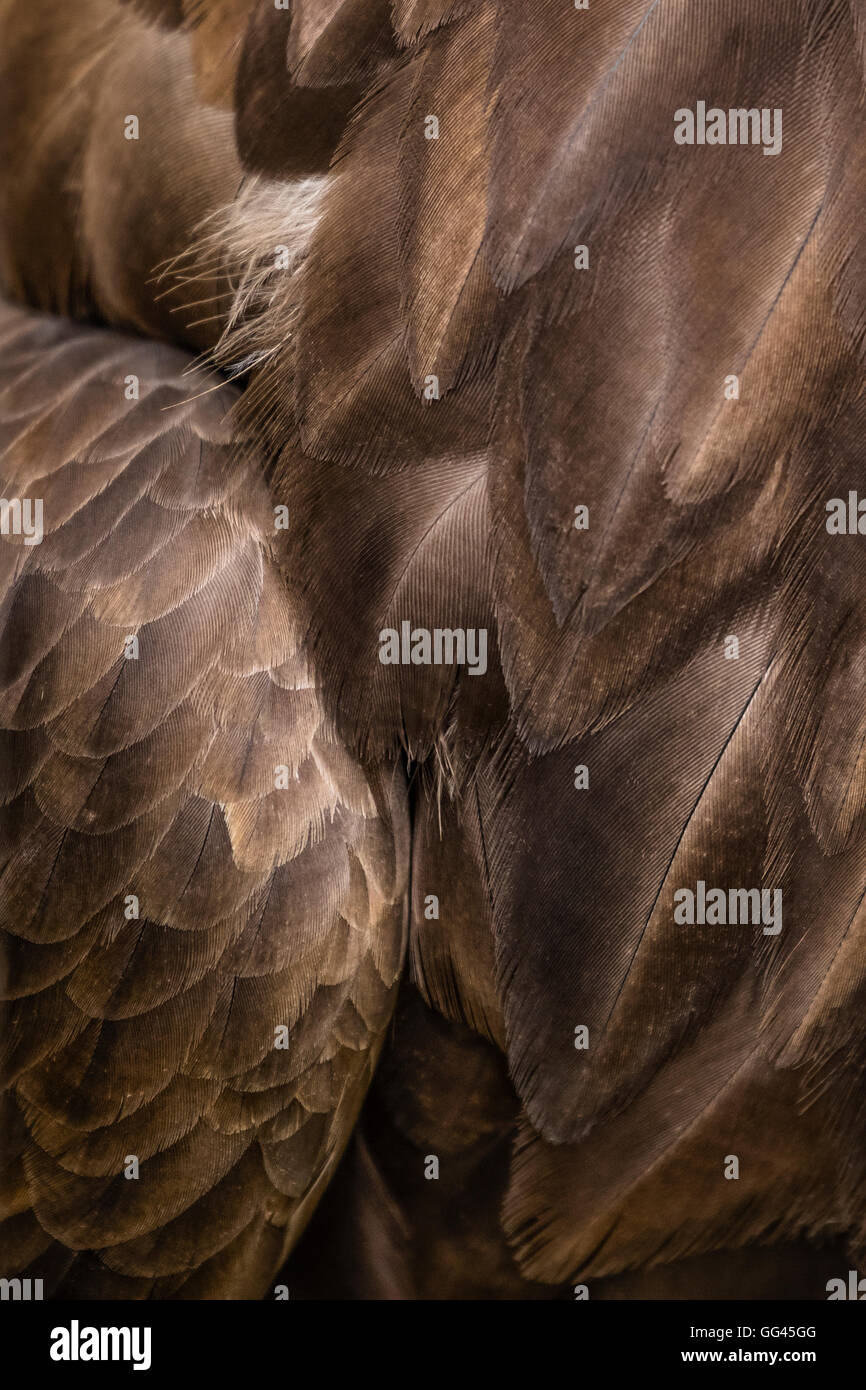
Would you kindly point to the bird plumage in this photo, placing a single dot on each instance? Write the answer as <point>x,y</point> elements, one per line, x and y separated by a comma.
<point>170,903</point>
<point>451,338</point>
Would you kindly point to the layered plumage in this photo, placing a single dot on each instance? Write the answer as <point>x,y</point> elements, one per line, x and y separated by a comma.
<point>202,890</point>
<point>515,296</point>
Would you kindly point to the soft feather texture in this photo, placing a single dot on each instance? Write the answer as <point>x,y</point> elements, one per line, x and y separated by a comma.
<point>259,905</point>
<point>454,259</point>
<point>86,215</point>
<point>606,388</point>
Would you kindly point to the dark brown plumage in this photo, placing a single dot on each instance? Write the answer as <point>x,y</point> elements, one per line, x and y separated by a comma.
<point>149,1029</point>
<point>432,387</point>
